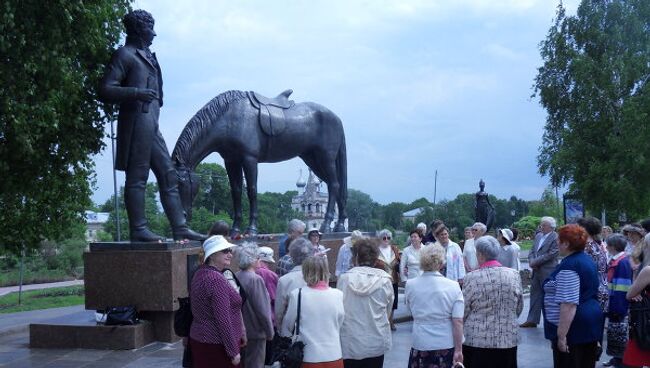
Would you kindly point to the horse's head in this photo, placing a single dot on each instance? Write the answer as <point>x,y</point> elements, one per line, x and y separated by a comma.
<point>188,187</point>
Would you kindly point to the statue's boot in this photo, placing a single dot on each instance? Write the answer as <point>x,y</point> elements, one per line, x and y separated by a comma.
<point>171,202</point>
<point>134,200</point>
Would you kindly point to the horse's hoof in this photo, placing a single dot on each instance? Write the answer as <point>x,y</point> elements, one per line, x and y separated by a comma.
<point>234,233</point>
<point>339,228</point>
<point>252,231</point>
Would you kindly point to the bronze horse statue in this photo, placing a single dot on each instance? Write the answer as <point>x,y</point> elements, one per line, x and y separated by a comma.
<point>246,128</point>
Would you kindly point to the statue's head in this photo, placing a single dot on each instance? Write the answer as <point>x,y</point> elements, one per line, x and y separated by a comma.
<point>188,187</point>
<point>139,25</point>
<point>481,184</point>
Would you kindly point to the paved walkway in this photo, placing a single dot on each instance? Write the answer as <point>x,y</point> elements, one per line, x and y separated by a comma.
<point>533,351</point>
<point>11,289</point>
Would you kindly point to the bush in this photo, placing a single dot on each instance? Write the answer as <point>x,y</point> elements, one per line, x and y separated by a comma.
<point>527,226</point>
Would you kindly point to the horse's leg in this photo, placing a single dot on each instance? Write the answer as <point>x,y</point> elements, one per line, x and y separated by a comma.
<point>234,169</point>
<point>250,171</point>
<point>342,196</point>
<point>333,187</point>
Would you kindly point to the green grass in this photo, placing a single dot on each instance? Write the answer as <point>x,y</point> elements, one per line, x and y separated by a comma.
<point>11,278</point>
<point>42,299</point>
<point>525,244</point>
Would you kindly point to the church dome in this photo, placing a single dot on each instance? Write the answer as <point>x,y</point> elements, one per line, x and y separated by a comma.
<point>301,183</point>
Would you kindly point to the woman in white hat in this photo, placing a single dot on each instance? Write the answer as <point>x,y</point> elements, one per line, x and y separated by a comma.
<point>217,330</point>
<point>508,255</point>
<point>314,236</point>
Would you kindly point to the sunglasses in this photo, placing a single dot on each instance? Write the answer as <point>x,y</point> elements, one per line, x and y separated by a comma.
<point>386,238</point>
<point>226,251</point>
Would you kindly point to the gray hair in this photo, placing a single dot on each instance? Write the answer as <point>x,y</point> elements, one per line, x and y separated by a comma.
<point>481,226</point>
<point>295,225</point>
<point>488,246</point>
<point>315,269</point>
<point>246,254</point>
<point>422,226</point>
<point>299,250</point>
<point>617,241</point>
<point>432,257</point>
<point>384,232</point>
<point>550,221</point>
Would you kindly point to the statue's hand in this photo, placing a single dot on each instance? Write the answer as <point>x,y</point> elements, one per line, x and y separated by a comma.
<point>146,94</point>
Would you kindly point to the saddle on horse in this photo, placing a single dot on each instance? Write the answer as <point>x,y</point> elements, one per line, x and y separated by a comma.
<point>271,111</point>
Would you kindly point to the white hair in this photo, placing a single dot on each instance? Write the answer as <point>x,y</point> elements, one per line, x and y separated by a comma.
<point>549,220</point>
<point>488,246</point>
<point>247,254</point>
<point>422,226</point>
<point>481,226</point>
<point>296,225</point>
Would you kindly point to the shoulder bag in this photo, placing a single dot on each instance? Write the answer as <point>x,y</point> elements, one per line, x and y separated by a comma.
<point>290,349</point>
<point>640,322</point>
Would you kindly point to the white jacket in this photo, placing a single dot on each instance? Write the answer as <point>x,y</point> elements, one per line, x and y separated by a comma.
<point>321,317</point>
<point>367,299</point>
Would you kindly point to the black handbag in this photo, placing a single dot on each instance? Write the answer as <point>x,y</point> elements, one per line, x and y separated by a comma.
<point>183,318</point>
<point>640,322</point>
<point>121,316</point>
<point>290,349</point>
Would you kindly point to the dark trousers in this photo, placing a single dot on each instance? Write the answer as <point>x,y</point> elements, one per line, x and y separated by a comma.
<point>474,357</point>
<point>375,362</point>
<point>579,356</point>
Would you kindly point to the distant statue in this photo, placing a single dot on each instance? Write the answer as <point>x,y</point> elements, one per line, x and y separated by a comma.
<point>484,211</point>
<point>246,128</point>
<point>133,79</point>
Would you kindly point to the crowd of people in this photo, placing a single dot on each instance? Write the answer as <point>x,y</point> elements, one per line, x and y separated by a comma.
<point>465,301</point>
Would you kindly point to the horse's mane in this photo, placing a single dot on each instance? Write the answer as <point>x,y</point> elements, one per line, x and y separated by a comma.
<point>203,119</point>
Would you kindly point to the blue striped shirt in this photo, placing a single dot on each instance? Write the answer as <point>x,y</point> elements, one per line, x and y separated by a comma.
<point>565,288</point>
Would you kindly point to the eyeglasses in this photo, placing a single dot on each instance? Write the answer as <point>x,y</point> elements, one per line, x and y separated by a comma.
<point>226,251</point>
<point>386,238</point>
<point>474,229</point>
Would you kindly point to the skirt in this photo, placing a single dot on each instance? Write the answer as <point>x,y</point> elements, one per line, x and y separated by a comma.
<point>332,364</point>
<point>431,358</point>
<point>634,356</point>
<point>209,356</point>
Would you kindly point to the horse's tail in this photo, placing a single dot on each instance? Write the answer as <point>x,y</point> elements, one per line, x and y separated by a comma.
<point>342,173</point>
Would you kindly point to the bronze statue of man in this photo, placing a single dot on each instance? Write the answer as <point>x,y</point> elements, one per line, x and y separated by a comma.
<point>134,80</point>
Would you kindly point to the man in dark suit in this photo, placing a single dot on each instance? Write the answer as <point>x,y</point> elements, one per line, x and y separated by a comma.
<point>134,80</point>
<point>542,258</point>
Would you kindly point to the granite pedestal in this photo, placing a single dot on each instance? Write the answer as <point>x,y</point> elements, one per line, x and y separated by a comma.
<point>149,276</point>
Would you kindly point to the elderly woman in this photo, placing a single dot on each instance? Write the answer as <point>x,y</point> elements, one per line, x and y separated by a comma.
<point>598,254</point>
<point>635,356</point>
<point>493,302</point>
<point>619,277</point>
<point>634,234</point>
<point>217,329</point>
<point>367,299</point>
<point>409,265</point>
<point>314,236</point>
<point>508,254</point>
<point>437,326</point>
<point>321,316</point>
<point>344,257</point>
<point>390,257</point>
<point>454,268</point>
<point>299,250</point>
<point>573,320</point>
<point>257,309</point>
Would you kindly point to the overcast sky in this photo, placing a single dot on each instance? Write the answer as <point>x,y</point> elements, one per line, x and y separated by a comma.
<point>419,85</point>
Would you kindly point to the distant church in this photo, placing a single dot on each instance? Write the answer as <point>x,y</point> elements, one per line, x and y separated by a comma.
<point>312,202</point>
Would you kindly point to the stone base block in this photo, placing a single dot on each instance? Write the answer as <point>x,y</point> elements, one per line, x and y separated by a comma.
<point>90,336</point>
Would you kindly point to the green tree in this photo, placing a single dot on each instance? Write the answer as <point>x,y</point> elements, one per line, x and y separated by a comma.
<point>360,209</point>
<point>547,206</point>
<point>52,53</point>
<point>392,214</point>
<point>594,86</point>
<point>274,211</point>
<point>214,189</point>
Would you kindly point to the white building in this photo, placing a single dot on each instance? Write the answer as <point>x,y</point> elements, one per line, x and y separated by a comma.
<point>312,202</point>
<point>94,222</point>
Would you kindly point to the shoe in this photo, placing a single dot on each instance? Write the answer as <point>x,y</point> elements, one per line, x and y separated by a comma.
<point>614,362</point>
<point>186,233</point>
<point>528,325</point>
<point>145,235</point>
